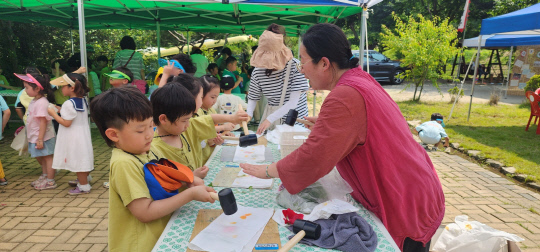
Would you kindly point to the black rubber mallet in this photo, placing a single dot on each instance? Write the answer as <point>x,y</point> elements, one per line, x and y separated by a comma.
<point>302,228</point>
<point>246,139</point>
<point>292,118</point>
<point>226,200</point>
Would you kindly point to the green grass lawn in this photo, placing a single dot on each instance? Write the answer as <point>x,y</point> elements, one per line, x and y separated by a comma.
<point>497,131</point>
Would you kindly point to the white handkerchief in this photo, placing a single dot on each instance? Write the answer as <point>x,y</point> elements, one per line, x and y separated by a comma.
<point>233,232</point>
<point>245,180</point>
<point>249,154</point>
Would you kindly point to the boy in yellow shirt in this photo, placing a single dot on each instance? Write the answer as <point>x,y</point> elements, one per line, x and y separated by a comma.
<point>178,136</point>
<point>124,118</point>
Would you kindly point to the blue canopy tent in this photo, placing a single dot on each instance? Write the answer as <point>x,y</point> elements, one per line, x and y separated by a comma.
<point>521,22</point>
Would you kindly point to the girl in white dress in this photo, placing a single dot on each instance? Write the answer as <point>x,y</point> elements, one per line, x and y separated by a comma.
<point>74,144</point>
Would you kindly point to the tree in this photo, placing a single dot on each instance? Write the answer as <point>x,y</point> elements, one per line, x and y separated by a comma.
<point>424,46</point>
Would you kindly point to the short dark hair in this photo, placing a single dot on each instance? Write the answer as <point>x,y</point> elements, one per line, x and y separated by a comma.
<point>227,82</point>
<point>186,62</point>
<point>436,116</point>
<point>173,100</point>
<point>126,71</point>
<point>127,42</point>
<point>192,84</point>
<point>102,58</point>
<point>328,40</point>
<point>81,85</point>
<point>250,71</point>
<point>227,51</point>
<point>211,66</point>
<point>117,107</point>
<point>44,81</point>
<point>230,60</point>
<point>208,83</point>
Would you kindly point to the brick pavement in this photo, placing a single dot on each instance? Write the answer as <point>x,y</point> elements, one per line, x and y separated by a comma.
<point>52,220</point>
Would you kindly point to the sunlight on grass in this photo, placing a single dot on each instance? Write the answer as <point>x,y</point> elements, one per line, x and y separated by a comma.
<point>497,131</point>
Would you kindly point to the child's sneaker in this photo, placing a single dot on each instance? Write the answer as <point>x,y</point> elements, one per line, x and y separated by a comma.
<point>106,184</point>
<point>39,180</point>
<point>77,191</point>
<point>44,185</point>
<point>434,149</point>
<point>73,183</point>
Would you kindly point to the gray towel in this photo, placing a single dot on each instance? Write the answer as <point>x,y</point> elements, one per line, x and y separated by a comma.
<point>345,232</point>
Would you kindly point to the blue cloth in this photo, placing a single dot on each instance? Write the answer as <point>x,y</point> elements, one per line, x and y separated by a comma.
<point>431,132</point>
<point>3,107</point>
<point>18,99</point>
<point>156,190</point>
<point>345,232</point>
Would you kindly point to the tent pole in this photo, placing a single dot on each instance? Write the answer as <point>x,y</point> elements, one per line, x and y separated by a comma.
<point>460,88</point>
<point>509,65</point>
<point>188,42</point>
<point>71,39</point>
<point>475,73</point>
<point>367,48</point>
<point>82,34</point>
<point>158,35</point>
<point>362,36</point>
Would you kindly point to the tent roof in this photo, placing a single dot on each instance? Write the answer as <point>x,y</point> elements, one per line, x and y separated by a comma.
<point>524,21</point>
<point>249,16</point>
<point>503,41</point>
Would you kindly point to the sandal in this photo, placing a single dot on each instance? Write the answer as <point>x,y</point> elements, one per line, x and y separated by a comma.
<point>3,183</point>
<point>45,185</point>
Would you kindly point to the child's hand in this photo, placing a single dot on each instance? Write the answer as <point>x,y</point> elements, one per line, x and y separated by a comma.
<point>201,171</point>
<point>217,141</point>
<point>228,127</point>
<point>202,193</point>
<point>196,182</point>
<point>240,78</point>
<point>169,68</point>
<point>240,117</point>
<point>81,70</point>
<point>228,133</point>
<point>39,144</point>
<point>51,111</point>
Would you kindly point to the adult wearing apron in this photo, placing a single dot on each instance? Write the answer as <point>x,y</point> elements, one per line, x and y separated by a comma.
<point>276,76</point>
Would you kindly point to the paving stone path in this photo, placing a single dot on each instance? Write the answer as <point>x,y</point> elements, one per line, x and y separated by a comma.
<point>52,220</point>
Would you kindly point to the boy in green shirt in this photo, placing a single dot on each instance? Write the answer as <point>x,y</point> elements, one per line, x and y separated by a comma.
<point>231,68</point>
<point>124,118</point>
<point>178,136</point>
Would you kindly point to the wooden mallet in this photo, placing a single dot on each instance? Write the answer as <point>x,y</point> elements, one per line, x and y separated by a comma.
<point>292,117</point>
<point>226,200</point>
<point>302,228</point>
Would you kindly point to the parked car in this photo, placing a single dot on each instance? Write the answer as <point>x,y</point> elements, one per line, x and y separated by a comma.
<point>381,67</point>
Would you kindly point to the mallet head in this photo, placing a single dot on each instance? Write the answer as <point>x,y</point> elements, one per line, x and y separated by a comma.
<point>291,117</point>
<point>227,201</point>
<point>312,229</point>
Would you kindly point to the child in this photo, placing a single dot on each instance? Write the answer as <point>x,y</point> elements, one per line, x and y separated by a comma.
<point>178,136</point>
<point>3,80</point>
<point>229,71</point>
<point>74,144</point>
<point>432,132</point>
<point>124,118</point>
<point>172,68</point>
<point>120,76</point>
<point>213,70</point>
<point>211,90</point>
<point>39,128</point>
<point>6,113</point>
<point>227,103</point>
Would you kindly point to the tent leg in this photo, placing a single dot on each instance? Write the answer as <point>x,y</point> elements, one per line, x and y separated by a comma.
<point>362,36</point>
<point>158,35</point>
<point>509,71</point>
<point>475,73</point>
<point>82,34</point>
<point>71,39</point>
<point>367,49</point>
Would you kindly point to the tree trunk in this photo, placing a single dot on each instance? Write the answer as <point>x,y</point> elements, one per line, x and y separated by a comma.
<point>415,88</point>
<point>421,88</point>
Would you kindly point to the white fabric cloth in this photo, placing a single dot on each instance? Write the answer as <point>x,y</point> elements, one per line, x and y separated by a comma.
<point>227,104</point>
<point>73,151</point>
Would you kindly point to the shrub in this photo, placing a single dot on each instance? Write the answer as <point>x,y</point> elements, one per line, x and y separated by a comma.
<point>533,84</point>
<point>494,99</point>
<point>455,94</point>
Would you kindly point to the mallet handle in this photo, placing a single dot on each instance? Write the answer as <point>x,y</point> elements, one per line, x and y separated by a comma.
<point>214,196</point>
<point>293,241</point>
<point>229,138</point>
<point>306,122</point>
<point>244,123</point>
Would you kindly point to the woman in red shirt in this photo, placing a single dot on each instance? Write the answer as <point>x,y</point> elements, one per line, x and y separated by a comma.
<point>362,132</point>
